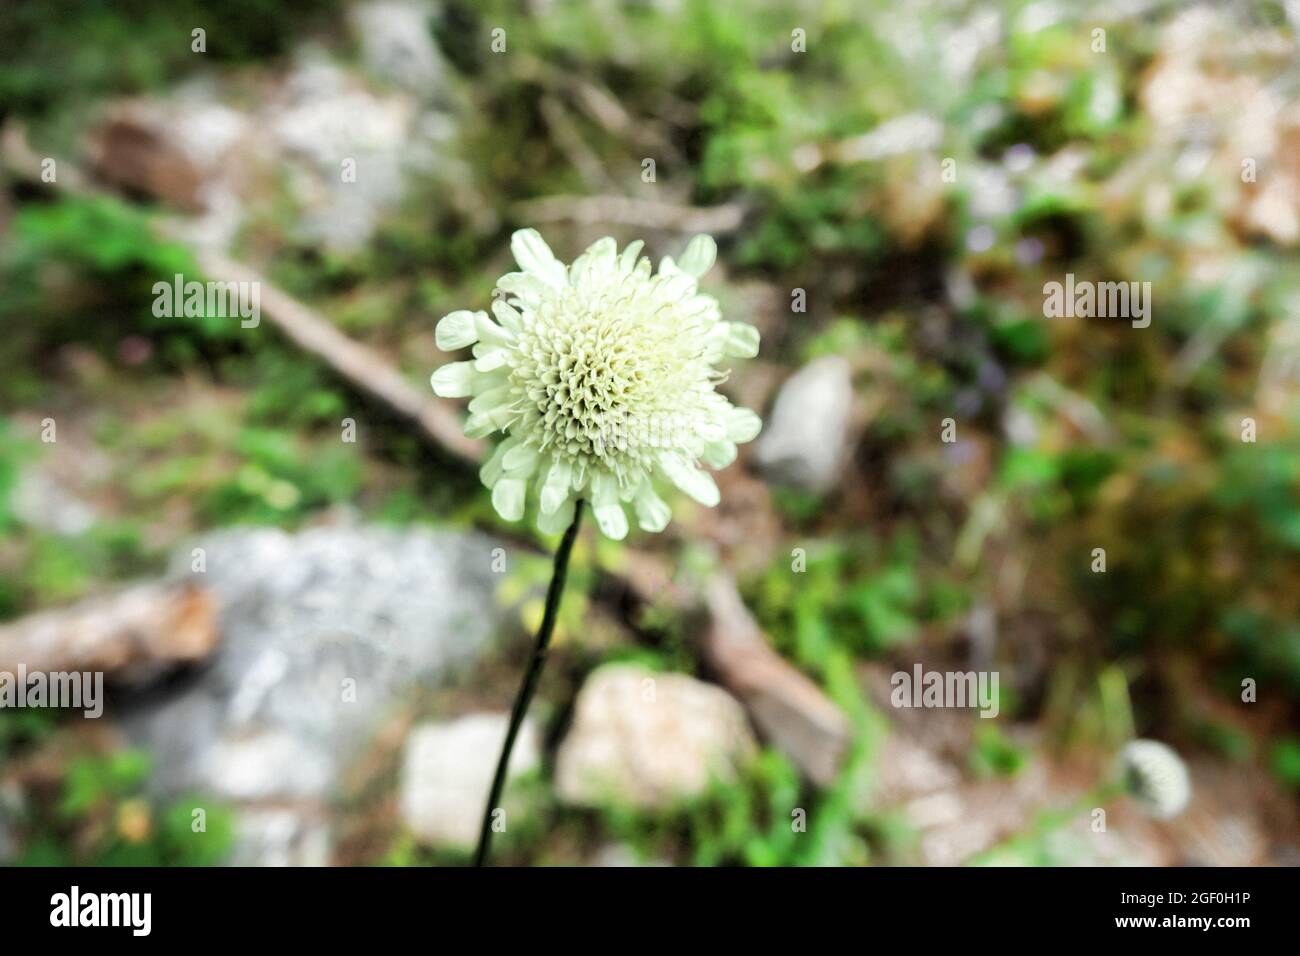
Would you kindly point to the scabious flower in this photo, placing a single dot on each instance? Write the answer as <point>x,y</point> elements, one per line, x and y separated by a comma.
<point>601,377</point>
<point>1156,777</point>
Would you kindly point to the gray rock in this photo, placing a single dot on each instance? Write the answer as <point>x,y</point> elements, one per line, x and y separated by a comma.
<point>323,633</point>
<point>271,765</point>
<point>397,45</point>
<point>39,500</point>
<point>447,771</point>
<point>909,770</point>
<point>804,439</point>
<point>325,117</point>
<point>281,837</point>
<point>649,739</point>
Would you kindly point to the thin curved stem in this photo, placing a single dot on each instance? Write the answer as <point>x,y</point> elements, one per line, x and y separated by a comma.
<point>540,647</point>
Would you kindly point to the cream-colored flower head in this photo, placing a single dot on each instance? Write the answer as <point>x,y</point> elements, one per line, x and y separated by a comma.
<point>601,376</point>
<point>1156,777</point>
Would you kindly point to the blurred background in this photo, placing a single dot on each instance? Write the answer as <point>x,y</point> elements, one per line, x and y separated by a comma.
<point>273,543</point>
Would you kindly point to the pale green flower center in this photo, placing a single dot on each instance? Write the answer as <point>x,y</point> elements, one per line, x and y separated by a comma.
<point>614,370</point>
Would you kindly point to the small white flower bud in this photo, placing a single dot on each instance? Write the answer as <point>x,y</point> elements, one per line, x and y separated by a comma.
<point>1156,777</point>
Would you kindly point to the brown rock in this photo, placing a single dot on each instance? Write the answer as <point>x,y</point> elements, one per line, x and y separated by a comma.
<point>132,151</point>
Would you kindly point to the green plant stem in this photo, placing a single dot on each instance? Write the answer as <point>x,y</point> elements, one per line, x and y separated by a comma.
<point>540,647</point>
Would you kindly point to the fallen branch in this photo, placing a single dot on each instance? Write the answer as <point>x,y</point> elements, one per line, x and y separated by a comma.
<point>787,707</point>
<point>623,211</point>
<point>132,637</point>
<point>569,139</point>
<point>358,364</point>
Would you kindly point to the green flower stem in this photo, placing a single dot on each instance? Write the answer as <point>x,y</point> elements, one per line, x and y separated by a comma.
<point>540,647</point>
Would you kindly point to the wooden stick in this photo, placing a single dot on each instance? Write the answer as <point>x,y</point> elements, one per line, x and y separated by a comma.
<point>625,211</point>
<point>358,364</point>
<point>131,636</point>
<point>787,707</point>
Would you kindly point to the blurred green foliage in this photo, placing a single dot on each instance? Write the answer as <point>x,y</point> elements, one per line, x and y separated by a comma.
<point>1286,763</point>
<point>101,816</point>
<point>994,754</point>
<point>131,46</point>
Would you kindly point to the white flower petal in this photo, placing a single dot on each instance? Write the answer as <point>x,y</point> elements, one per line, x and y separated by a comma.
<point>602,251</point>
<point>742,340</point>
<point>707,431</point>
<point>555,487</point>
<point>604,487</point>
<point>536,258</point>
<point>701,252</point>
<point>524,286</point>
<point>598,259</point>
<point>557,521</point>
<point>507,315</point>
<point>579,474</point>
<point>508,497</point>
<point>743,425</point>
<point>479,426</point>
<point>719,454</point>
<point>708,307</point>
<point>455,330</point>
<point>490,399</point>
<point>607,508</point>
<point>715,342</point>
<point>490,333</point>
<point>627,261</point>
<point>520,461</point>
<point>612,520</point>
<point>454,380</point>
<point>496,418</point>
<point>490,359</point>
<point>676,285</point>
<point>652,512</point>
<point>492,469</point>
<point>698,484</point>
